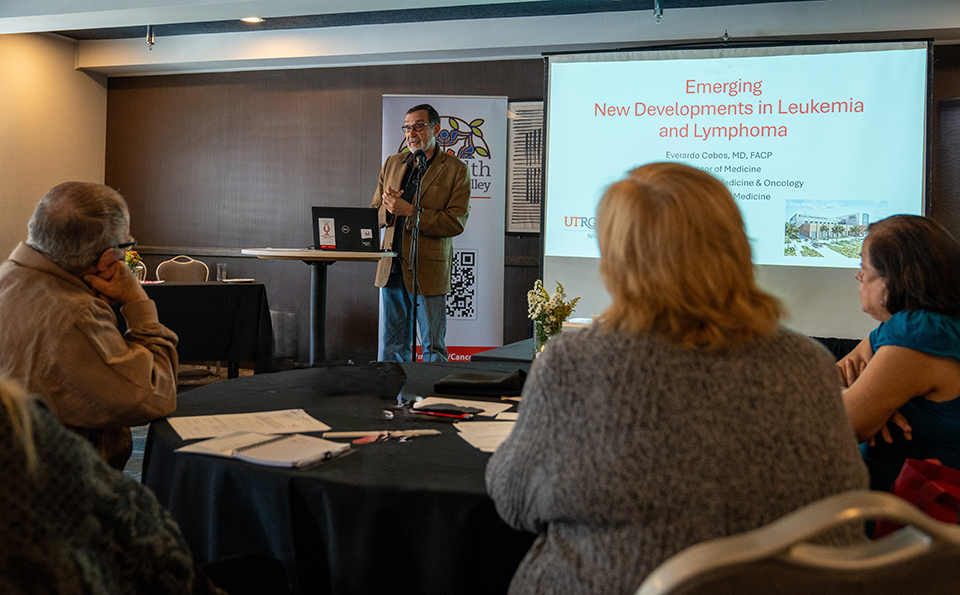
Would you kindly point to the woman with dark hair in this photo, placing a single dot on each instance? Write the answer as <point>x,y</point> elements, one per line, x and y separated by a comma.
<point>908,369</point>
<point>687,412</point>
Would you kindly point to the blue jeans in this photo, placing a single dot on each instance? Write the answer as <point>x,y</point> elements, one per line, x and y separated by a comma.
<point>395,336</point>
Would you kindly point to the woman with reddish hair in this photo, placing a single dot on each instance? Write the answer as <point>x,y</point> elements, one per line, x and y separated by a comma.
<point>685,413</point>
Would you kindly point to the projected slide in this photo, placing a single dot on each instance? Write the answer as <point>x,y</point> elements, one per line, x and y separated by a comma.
<point>814,143</point>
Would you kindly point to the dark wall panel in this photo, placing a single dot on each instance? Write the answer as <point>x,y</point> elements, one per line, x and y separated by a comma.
<point>945,170</point>
<point>236,160</point>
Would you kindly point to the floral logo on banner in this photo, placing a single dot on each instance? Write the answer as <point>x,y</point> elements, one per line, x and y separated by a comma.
<point>459,138</point>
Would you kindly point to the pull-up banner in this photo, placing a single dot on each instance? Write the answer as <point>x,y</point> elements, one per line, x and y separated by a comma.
<point>474,129</point>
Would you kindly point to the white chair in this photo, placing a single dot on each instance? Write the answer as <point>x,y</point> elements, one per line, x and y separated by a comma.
<point>182,268</point>
<point>923,557</point>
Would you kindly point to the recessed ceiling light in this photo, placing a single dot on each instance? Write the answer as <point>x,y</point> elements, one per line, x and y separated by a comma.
<point>252,20</point>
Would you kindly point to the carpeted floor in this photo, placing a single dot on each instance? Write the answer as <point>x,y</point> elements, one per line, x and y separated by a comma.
<point>191,376</point>
<point>134,467</point>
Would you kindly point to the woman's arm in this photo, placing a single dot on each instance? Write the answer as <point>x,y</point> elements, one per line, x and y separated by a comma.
<point>888,379</point>
<point>851,366</point>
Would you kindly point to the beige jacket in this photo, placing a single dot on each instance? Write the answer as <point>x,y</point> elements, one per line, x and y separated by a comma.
<point>445,205</point>
<point>61,342</point>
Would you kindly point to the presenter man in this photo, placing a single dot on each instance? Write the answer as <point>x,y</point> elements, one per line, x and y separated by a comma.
<point>444,184</point>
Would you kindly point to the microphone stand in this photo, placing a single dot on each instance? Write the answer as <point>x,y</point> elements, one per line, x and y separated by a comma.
<point>414,256</point>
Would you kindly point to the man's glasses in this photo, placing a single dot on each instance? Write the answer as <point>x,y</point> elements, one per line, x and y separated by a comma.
<point>418,127</point>
<point>126,245</point>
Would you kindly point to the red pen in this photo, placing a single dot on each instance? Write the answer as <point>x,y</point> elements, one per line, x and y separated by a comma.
<point>437,413</point>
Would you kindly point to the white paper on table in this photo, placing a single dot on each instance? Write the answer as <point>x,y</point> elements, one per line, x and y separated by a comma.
<point>484,435</point>
<point>225,445</point>
<point>507,416</point>
<point>275,450</point>
<point>489,408</point>
<point>284,421</point>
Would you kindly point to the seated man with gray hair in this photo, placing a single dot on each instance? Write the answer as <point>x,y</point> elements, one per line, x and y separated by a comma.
<point>58,332</point>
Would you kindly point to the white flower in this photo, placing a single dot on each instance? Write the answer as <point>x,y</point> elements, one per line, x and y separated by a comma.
<point>550,310</point>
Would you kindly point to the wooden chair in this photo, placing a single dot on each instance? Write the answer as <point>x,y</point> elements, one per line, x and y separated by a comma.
<point>921,558</point>
<point>182,268</point>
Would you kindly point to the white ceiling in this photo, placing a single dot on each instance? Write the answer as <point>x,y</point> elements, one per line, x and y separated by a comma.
<point>444,41</point>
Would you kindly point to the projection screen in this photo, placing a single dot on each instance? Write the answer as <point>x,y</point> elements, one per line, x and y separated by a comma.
<point>813,141</point>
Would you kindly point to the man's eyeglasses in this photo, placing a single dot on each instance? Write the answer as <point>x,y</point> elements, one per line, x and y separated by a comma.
<point>126,245</point>
<point>418,127</point>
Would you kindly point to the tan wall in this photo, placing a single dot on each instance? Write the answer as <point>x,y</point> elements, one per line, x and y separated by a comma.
<point>52,126</point>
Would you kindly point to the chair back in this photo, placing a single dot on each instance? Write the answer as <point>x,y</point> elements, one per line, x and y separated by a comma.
<point>182,268</point>
<point>923,557</point>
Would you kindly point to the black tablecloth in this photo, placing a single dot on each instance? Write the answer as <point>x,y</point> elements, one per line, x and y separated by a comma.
<point>217,321</point>
<point>521,351</point>
<point>387,517</point>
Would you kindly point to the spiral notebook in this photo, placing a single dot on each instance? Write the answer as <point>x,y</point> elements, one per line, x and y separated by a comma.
<point>284,450</point>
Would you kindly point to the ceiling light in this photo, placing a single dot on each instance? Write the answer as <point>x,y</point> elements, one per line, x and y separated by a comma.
<point>253,20</point>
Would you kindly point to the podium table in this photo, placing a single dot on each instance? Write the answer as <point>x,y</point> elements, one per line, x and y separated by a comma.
<point>318,260</point>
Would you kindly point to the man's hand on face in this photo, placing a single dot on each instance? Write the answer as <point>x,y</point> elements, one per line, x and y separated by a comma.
<point>113,280</point>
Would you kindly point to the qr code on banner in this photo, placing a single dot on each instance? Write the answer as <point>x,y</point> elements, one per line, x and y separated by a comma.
<point>461,301</point>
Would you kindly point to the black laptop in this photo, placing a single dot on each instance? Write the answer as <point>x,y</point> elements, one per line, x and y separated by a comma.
<point>353,229</point>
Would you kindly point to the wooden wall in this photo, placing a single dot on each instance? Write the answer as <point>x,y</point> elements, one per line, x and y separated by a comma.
<point>234,160</point>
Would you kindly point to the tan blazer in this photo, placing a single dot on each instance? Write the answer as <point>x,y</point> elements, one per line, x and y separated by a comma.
<point>445,205</point>
<point>61,342</point>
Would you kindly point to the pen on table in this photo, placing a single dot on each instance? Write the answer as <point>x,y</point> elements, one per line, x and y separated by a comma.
<point>437,413</point>
<point>391,433</point>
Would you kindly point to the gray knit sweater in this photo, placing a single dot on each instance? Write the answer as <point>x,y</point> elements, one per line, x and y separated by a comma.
<point>629,449</point>
<point>74,525</point>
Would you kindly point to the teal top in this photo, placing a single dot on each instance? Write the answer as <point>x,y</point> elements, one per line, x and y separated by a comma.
<point>936,426</point>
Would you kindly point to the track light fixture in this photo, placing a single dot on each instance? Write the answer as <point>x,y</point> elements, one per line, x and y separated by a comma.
<point>657,10</point>
<point>151,38</point>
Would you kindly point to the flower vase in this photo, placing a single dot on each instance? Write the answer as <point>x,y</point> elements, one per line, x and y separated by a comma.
<point>140,272</point>
<point>540,338</point>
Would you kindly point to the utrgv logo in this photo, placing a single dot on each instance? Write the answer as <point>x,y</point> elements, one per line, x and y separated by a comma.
<point>584,222</point>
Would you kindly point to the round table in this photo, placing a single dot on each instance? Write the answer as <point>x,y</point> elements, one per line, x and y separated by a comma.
<point>390,516</point>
